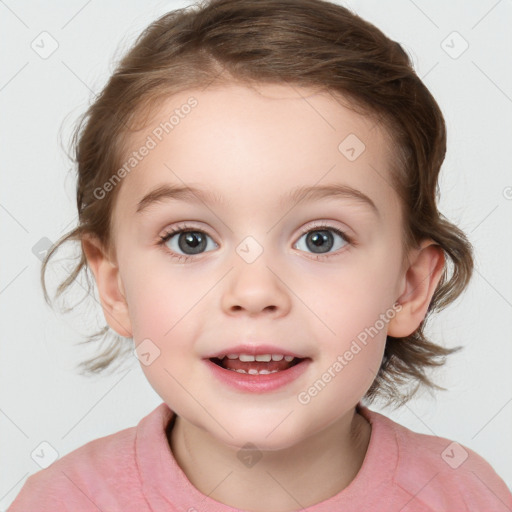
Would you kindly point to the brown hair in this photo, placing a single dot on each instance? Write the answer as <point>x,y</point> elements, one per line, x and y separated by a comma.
<point>311,43</point>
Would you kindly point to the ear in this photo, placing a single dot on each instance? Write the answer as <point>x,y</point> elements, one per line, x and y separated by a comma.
<point>420,282</point>
<point>110,286</point>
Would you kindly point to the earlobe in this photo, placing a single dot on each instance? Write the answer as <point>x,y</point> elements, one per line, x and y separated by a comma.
<point>420,282</point>
<point>110,286</point>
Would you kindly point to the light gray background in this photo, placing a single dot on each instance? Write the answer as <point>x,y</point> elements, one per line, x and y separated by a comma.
<point>42,399</point>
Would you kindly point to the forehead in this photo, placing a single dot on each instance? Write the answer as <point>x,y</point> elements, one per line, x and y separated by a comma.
<point>249,146</point>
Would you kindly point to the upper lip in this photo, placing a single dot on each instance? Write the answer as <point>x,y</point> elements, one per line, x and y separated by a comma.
<point>254,350</point>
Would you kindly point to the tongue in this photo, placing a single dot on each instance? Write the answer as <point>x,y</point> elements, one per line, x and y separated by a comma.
<point>236,364</point>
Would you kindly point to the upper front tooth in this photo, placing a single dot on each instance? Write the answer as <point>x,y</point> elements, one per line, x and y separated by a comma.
<point>263,357</point>
<point>260,357</point>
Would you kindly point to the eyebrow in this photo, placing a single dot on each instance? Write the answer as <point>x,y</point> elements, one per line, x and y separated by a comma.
<point>178,192</point>
<point>197,195</point>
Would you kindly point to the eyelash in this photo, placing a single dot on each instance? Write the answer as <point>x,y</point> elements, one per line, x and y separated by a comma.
<point>163,239</point>
<point>183,228</point>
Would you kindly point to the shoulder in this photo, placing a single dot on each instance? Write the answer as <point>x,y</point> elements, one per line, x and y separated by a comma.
<point>74,481</point>
<point>442,474</point>
<point>102,473</point>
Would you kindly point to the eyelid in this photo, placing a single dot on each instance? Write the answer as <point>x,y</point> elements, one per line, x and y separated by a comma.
<point>317,224</point>
<point>326,224</point>
<point>171,231</point>
<point>183,226</point>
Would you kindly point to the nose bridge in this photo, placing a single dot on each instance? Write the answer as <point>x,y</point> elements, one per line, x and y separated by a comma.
<point>254,284</point>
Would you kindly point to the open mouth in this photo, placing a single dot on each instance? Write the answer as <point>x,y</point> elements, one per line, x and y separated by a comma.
<point>256,365</point>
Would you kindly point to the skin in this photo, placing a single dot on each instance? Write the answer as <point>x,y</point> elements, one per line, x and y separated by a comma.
<point>251,145</point>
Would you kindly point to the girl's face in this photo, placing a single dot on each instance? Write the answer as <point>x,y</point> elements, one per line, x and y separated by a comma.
<point>266,267</point>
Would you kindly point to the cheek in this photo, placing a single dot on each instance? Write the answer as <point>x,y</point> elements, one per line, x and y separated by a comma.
<point>360,359</point>
<point>341,382</point>
<point>354,307</point>
<point>353,357</point>
<point>160,316</point>
<point>350,300</point>
<point>169,311</point>
<point>156,300</point>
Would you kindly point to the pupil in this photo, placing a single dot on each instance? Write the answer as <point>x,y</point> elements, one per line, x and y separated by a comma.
<point>318,240</point>
<point>192,240</point>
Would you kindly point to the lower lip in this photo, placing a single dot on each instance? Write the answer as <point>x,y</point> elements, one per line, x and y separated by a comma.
<point>258,383</point>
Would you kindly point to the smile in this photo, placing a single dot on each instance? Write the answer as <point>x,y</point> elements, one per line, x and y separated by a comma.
<point>257,373</point>
<point>261,364</point>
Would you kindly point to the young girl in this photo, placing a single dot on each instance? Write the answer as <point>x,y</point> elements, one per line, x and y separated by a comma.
<point>257,204</point>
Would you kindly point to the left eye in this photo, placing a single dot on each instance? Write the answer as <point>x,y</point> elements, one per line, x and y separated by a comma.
<point>322,240</point>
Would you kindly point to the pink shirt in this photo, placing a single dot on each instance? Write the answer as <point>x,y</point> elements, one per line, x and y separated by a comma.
<point>134,470</point>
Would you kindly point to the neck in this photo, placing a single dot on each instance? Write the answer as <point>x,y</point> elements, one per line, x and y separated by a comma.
<point>302,475</point>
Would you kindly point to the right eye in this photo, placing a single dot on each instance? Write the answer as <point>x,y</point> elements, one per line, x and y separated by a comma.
<point>187,242</point>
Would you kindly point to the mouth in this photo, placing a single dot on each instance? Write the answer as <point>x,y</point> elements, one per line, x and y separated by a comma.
<point>262,369</point>
<point>262,364</point>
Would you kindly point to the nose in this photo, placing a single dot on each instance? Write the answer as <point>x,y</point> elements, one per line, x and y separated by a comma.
<point>254,289</point>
